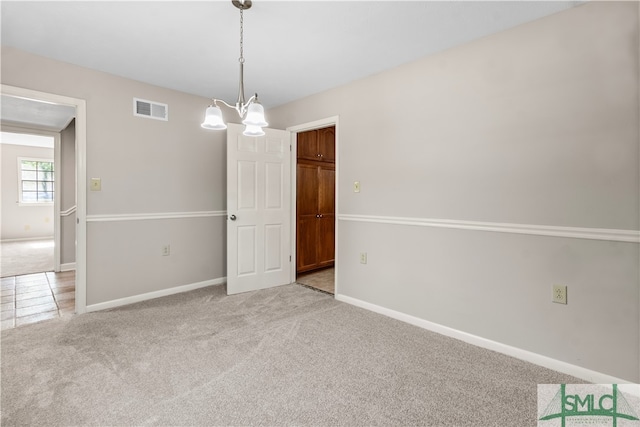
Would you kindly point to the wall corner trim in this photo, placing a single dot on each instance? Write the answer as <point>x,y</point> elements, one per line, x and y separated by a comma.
<point>156,294</point>
<point>528,356</point>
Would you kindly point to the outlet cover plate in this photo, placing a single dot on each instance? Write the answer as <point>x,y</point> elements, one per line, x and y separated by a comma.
<point>559,294</point>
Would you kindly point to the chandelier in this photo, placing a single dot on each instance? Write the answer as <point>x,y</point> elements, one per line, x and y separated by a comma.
<point>251,111</point>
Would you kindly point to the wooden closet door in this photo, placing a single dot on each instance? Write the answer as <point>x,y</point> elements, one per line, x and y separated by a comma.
<point>307,220</point>
<point>327,144</point>
<point>327,220</point>
<point>308,145</point>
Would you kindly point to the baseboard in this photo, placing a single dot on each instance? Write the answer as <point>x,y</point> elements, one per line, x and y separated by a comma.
<point>152,295</point>
<point>518,353</point>
<point>70,266</point>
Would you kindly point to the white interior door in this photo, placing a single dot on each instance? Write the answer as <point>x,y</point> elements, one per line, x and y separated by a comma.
<point>258,210</point>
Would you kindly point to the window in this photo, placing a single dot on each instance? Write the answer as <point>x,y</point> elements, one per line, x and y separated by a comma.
<point>35,180</point>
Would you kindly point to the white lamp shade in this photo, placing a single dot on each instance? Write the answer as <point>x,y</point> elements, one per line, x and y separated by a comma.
<point>251,130</point>
<point>255,116</point>
<point>213,119</point>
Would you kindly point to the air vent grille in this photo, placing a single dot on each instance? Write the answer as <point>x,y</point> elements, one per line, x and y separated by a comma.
<point>150,109</point>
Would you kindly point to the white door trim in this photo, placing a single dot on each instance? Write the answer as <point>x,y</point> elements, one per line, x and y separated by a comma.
<point>81,174</point>
<point>317,124</point>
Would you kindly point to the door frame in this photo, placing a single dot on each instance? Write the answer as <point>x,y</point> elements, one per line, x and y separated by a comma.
<point>81,178</point>
<point>317,124</point>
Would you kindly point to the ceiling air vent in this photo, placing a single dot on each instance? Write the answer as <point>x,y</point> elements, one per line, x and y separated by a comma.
<point>150,109</point>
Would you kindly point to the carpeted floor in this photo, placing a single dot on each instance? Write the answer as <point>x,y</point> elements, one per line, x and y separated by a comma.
<point>282,356</point>
<point>26,257</point>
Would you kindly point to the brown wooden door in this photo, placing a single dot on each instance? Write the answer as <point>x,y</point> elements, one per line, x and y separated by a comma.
<point>315,199</point>
<point>306,213</point>
<point>326,210</point>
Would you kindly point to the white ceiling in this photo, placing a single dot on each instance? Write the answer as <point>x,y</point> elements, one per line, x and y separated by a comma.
<point>292,48</point>
<point>27,112</point>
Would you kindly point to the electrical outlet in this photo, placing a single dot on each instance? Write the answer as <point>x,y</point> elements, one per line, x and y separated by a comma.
<point>559,294</point>
<point>363,257</point>
<point>166,250</point>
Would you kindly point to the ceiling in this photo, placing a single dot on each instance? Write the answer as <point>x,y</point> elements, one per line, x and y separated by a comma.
<point>27,112</point>
<point>292,48</point>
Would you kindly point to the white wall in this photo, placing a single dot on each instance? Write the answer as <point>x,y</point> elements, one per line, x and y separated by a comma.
<point>536,126</point>
<point>22,221</point>
<point>148,167</point>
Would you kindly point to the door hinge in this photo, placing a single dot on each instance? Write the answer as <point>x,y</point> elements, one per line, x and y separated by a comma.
<point>289,258</point>
<point>290,147</point>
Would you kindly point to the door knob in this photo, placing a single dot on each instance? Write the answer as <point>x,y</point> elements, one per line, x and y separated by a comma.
<point>232,218</point>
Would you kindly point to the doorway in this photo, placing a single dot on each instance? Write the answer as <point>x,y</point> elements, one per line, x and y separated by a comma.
<point>27,109</point>
<point>34,182</point>
<point>314,154</point>
<point>28,217</point>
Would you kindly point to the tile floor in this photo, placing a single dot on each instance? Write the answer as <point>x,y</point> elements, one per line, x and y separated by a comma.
<point>32,298</point>
<point>322,280</point>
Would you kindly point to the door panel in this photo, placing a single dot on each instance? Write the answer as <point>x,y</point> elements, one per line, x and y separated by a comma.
<point>247,185</point>
<point>326,144</point>
<point>308,145</point>
<point>326,191</point>
<point>273,240</point>
<point>307,195</point>
<point>273,185</point>
<point>307,243</point>
<point>326,243</point>
<point>258,208</point>
<point>246,250</point>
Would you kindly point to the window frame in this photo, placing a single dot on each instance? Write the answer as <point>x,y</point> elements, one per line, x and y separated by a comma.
<point>21,201</point>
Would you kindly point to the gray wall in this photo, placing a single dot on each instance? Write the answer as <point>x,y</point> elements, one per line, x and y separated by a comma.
<point>147,167</point>
<point>22,222</point>
<point>537,125</point>
<point>68,194</point>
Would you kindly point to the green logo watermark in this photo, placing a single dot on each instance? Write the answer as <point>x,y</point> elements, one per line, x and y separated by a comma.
<point>587,405</point>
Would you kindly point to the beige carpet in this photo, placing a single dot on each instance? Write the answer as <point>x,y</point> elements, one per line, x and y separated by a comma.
<point>282,356</point>
<point>26,257</point>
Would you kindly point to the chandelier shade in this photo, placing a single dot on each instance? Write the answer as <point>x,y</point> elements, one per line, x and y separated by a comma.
<point>255,115</point>
<point>250,111</point>
<point>251,130</point>
<point>213,119</point>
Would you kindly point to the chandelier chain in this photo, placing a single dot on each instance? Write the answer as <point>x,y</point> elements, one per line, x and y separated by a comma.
<point>241,59</point>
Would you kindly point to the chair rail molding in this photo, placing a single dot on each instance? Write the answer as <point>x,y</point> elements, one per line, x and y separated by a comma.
<point>614,235</point>
<point>154,215</point>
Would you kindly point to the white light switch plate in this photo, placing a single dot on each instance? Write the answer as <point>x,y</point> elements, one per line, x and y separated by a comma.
<point>96,184</point>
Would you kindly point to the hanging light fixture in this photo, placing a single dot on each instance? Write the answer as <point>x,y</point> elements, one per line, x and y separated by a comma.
<point>251,111</point>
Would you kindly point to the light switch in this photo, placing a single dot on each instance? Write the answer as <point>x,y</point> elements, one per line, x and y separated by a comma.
<point>356,186</point>
<point>96,184</point>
